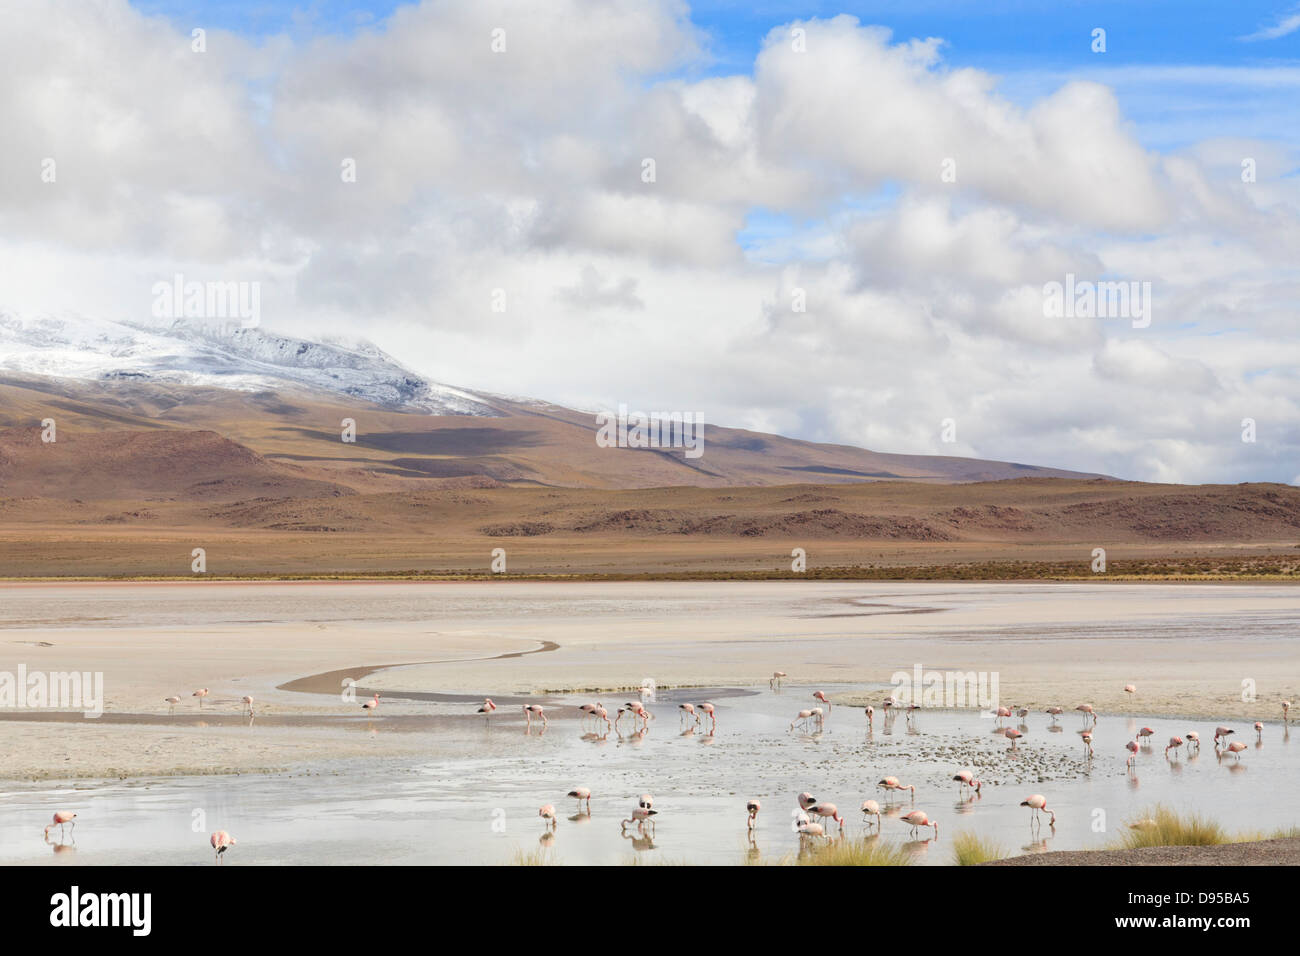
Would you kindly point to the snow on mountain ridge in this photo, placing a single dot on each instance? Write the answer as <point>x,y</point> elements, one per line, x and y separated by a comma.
<point>219,355</point>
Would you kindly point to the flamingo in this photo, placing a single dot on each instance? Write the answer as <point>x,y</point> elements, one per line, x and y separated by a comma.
<point>775,682</point>
<point>200,694</point>
<point>871,808</point>
<point>1055,712</point>
<point>1038,803</point>
<point>535,710</point>
<point>640,815</point>
<point>1086,737</point>
<point>1145,734</point>
<point>1259,732</point>
<point>645,801</point>
<point>370,705</point>
<point>818,695</point>
<point>1132,748</point>
<point>171,703</point>
<point>871,716</point>
<point>810,829</point>
<point>1087,711</point>
<point>1012,735</point>
<point>1130,688</point>
<point>1193,738</point>
<point>1235,748</point>
<point>806,800</point>
<point>1222,732</point>
<point>818,718</point>
<point>1286,709</point>
<point>600,713</point>
<point>891,784</point>
<point>686,710</point>
<point>911,711</point>
<point>489,705</point>
<point>1174,743</point>
<point>801,717</point>
<point>966,778</point>
<point>1022,713</point>
<point>547,813</point>
<point>828,810</point>
<point>61,819</point>
<point>752,807</point>
<point>1002,714</point>
<point>707,709</point>
<point>221,842</point>
<point>248,704</point>
<point>917,819</point>
<point>580,794</point>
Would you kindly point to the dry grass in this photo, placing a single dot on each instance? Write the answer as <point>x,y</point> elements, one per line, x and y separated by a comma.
<point>542,856</point>
<point>970,850</point>
<point>1163,826</point>
<point>864,852</point>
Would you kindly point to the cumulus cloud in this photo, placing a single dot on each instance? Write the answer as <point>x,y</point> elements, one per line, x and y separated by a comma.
<point>913,215</point>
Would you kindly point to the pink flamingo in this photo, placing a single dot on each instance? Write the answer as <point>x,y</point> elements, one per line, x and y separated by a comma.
<point>871,716</point>
<point>891,785</point>
<point>1235,748</point>
<point>200,694</point>
<point>1222,732</point>
<point>171,703</point>
<point>1145,734</point>
<point>61,819</point>
<point>687,710</point>
<point>1259,732</point>
<point>1130,688</point>
<point>809,829</point>
<point>752,807</point>
<point>818,718</point>
<point>707,709</point>
<point>1055,712</point>
<point>911,711</point>
<point>600,713</point>
<point>775,682</point>
<point>535,710</point>
<point>580,794</point>
<point>917,819</point>
<point>966,778</point>
<point>871,808</point>
<point>827,810</point>
<point>221,842</point>
<point>1038,803</point>
<point>802,717</point>
<point>1132,748</point>
<point>248,704</point>
<point>645,801</point>
<point>1193,738</point>
<point>547,813</point>
<point>1002,714</point>
<point>488,706</point>
<point>1086,737</point>
<point>371,705</point>
<point>1087,711</point>
<point>640,815</point>
<point>1012,735</point>
<point>1174,743</point>
<point>1286,709</point>
<point>822,697</point>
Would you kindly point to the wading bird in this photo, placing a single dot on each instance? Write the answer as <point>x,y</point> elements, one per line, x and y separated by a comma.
<point>639,816</point>
<point>1222,732</point>
<point>775,682</point>
<point>818,695</point>
<point>535,710</point>
<point>1012,735</point>
<point>752,807</point>
<point>1130,688</point>
<point>871,809</point>
<point>580,794</point>
<point>1038,803</point>
<point>706,708</point>
<point>891,785</point>
<point>686,710</point>
<point>61,819</point>
<point>917,819</point>
<point>248,704</point>
<point>828,811</point>
<point>1087,711</point>
<point>871,716</point>
<point>1145,735</point>
<point>1055,712</point>
<point>802,718</point>
<point>1086,737</point>
<point>1235,748</point>
<point>200,694</point>
<point>966,778</point>
<point>1132,748</point>
<point>547,813</point>
<point>171,703</point>
<point>1259,731</point>
<point>1174,743</point>
<point>371,705</point>
<point>221,842</point>
<point>488,707</point>
<point>1286,709</point>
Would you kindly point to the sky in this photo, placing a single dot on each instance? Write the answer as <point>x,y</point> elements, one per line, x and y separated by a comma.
<point>857,214</point>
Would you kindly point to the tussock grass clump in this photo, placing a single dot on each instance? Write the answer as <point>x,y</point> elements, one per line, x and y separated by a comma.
<point>1163,826</point>
<point>866,852</point>
<point>542,856</point>
<point>969,850</point>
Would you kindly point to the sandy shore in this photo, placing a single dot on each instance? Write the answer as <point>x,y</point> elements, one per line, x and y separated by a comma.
<point>1188,649</point>
<point>1256,853</point>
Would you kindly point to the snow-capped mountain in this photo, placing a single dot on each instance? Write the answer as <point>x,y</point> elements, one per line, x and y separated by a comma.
<point>223,355</point>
